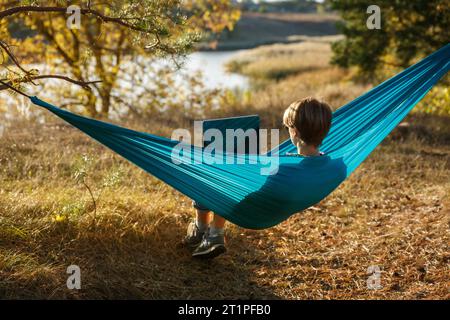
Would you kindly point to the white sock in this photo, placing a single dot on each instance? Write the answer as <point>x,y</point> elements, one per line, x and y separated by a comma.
<point>213,231</point>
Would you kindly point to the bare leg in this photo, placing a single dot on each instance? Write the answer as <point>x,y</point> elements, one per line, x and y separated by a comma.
<point>203,217</point>
<point>218,222</point>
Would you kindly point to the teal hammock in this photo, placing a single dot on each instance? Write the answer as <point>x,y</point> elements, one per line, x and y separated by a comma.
<point>239,192</point>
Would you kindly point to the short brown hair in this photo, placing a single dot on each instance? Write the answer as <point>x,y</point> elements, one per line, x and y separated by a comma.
<point>312,119</point>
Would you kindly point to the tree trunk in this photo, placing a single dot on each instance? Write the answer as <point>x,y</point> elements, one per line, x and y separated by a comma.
<point>106,102</point>
<point>90,105</point>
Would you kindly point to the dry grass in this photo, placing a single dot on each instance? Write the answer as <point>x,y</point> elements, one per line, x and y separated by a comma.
<point>392,212</point>
<point>131,250</point>
<point>275,62</point>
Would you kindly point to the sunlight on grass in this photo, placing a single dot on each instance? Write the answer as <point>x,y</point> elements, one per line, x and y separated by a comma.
<point>392,211</point>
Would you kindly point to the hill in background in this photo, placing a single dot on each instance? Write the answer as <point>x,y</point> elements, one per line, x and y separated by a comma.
<point>255,29</point>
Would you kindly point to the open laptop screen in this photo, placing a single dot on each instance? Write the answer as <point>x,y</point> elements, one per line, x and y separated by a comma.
<point>244,133</point>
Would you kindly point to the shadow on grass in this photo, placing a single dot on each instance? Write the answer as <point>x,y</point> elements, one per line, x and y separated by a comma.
<point>132,263</point>
<point>427,128</point>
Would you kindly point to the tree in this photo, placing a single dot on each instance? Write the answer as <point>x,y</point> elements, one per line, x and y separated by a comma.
<point>409,29</point>
<point>108,34</point>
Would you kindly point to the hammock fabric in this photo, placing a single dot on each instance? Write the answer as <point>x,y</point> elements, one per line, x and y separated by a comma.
<point>238,192</point>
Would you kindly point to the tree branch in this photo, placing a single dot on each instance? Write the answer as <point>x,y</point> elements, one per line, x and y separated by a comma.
<point>88,11</point>
<point>84,84</point>
<point>5,47</point>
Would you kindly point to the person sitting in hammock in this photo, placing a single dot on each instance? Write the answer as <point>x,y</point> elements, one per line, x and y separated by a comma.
<point>308,121</point>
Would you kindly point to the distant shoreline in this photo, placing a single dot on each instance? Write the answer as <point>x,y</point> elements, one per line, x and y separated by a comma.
<point>257,29</point>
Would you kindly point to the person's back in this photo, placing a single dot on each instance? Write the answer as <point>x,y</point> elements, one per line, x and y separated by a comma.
<point>307,172</point>
<point>308,122</point>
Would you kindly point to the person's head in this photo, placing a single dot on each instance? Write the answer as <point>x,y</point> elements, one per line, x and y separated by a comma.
<point>308,121</point>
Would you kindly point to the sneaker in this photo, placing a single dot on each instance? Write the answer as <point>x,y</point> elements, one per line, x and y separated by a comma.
<point>210,247</point>
<point>194,236</point>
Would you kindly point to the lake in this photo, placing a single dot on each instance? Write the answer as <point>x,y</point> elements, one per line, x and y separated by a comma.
<point>212,66</point>
<point>210,63</point>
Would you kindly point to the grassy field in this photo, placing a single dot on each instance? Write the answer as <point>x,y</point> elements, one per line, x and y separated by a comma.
<point>393,212</point>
